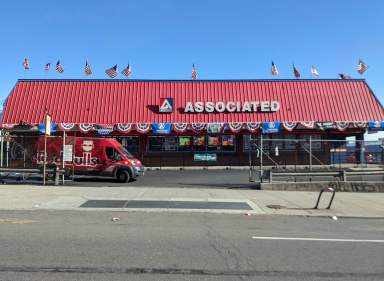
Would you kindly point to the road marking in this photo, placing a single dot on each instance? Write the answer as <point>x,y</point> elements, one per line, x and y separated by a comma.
<point>15,221</point>
<point>316,239</point>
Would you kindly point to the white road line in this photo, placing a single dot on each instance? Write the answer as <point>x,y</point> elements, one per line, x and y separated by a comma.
<point>316,239</point>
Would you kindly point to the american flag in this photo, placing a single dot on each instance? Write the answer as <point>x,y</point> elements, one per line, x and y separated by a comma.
<point>296,72</point>
<point>47,66</point>
<point>59,68</point>
<point>314,71</point>
<point>112,72</point>
<point>274,69</point>
<point>362,67</point>
<point>127,71</point>
<point>344,76</point>
<point>26,64</point>
<point>87,69</point>
<point>194,73</point>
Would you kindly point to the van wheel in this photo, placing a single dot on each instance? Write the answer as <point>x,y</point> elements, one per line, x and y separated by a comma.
<point>123,176</point>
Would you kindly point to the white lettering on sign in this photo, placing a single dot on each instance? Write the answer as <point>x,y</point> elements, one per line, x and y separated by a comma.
<point>232,106</point>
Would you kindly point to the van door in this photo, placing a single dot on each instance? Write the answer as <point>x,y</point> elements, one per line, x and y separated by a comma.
<point>112,160</point>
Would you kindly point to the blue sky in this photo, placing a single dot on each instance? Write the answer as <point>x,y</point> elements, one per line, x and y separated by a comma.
<point>161,39</point>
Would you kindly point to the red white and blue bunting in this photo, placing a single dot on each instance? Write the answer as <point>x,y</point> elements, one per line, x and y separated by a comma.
<point>308,124</point>
<point>341,125</point>
<point>253,126</point>
<point>143,127</point>
<point>66,126</point>
<point>360,124</point>
<point>289,126</point>
<point>86,127</point>
<point>198,126</point>
<point>235,127</point>
<point>124,127</point>
<point>180,127</point>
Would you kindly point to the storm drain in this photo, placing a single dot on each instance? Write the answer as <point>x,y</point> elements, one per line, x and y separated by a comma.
<point>155,204</point>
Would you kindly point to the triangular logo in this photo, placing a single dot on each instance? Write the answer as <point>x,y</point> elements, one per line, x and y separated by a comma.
<point>166,105</point>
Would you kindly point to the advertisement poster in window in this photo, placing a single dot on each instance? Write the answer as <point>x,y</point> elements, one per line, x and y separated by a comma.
<point>227,140</point>
<point>198,140</point>
<point>213,141</point>
<point>184,141</point>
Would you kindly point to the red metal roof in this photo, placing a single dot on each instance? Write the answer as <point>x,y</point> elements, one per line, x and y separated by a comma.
<point>126,101</point>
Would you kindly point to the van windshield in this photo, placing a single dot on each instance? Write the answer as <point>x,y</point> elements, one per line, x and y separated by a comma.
<point>126,152</point>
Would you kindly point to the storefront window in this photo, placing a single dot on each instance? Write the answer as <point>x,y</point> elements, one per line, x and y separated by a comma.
<point>131,144</point>
<point>155,143</point>
<point>248,140</point>
<point>162,144</point>
<point>224,143</point>
<point>199,143</point>
<point>315,142</point>
<point>213,143</point>
<point>289,144</point>
<point>278,141</point>
<point>185,143</point>
<point>228,143</point>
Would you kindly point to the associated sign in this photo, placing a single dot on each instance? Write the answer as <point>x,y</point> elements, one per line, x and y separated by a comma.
<point>232,106</point>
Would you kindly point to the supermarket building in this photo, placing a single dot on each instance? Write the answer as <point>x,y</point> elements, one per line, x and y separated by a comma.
<point>174,122</point>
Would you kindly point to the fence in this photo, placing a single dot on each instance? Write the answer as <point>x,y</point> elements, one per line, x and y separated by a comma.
<point>24,155</point>
<point>314,153</point>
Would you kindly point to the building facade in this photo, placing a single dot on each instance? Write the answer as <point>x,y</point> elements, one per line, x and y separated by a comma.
<point>186,123</point>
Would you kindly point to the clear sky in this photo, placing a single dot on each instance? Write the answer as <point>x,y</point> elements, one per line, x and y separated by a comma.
<point>161,39</point>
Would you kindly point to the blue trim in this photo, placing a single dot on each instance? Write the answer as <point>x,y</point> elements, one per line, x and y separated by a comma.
<point>192,81</point>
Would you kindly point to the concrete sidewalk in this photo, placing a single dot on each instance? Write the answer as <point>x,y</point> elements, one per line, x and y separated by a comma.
<point>346,204</point>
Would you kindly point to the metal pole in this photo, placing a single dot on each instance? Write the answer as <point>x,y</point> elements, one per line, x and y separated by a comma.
<point>261,157</point>
<point>2,148</point>
<point>362,153</point>
<point>63,156</point>
<point>7,162</point>
<point>250,159</point>
<point>45,158</point>
<point>310,153</point>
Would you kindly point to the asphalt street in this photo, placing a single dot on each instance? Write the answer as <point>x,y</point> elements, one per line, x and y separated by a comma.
<point>223,179</point>
<point>72,245</point>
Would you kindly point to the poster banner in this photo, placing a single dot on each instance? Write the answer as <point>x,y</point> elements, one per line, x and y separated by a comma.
<point>375,125</point>
<point>215,128</point>
<point>162,128</point>
<point>271,127</point>
<point>42,128</point>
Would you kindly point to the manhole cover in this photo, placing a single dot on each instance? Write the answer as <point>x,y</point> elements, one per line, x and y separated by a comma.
<point>276,207</point>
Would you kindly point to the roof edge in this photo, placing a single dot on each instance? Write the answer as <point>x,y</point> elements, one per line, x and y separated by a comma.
<point>189,80</point>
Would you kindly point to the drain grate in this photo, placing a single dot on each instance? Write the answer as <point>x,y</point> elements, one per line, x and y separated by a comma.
<point>104,204</point>
<point>162,204</point>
